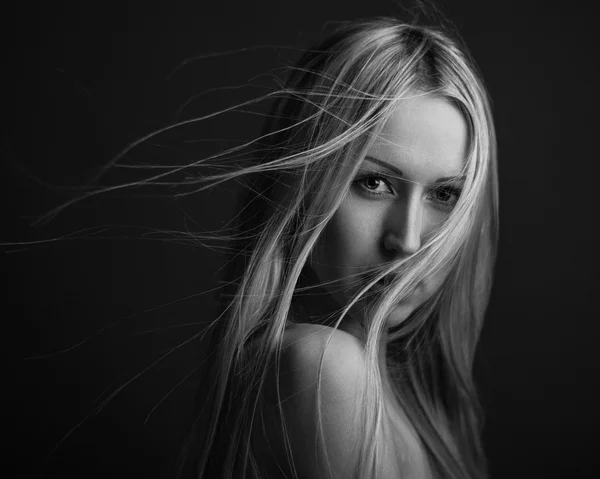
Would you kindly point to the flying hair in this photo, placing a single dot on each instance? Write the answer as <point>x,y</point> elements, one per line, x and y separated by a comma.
<point>336,102</point>
<point>323,120</point>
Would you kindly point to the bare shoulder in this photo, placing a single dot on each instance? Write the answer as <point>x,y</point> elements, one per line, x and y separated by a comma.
<point>308,349</point>
<point>314,393</point>
<point>316,359</point>
<point>312,401</point>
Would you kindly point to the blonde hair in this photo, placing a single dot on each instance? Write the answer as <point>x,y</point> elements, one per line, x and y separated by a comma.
<point>326,116</point>
<point>323,120</point>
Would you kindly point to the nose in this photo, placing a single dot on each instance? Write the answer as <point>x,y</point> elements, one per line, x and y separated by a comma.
<point>404,227</point>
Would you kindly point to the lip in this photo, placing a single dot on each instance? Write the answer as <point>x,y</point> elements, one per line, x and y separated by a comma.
<point>387,280</point>
<point>382,283</point>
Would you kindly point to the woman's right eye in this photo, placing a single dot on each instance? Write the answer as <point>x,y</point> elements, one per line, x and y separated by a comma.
<point>374,184</point>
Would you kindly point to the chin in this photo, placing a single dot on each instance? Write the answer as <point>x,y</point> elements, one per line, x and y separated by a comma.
<point>399,314</point>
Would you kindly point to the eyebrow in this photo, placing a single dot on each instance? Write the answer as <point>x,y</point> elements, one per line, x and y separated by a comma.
<point>398,171</point>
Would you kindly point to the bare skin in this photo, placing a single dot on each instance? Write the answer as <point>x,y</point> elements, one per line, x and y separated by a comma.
<point>394,203</point>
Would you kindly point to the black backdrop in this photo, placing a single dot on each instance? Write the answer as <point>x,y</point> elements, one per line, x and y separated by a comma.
<point>81,80</point>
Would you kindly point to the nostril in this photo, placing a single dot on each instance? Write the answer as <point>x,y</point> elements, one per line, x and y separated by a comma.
<point>405,244</point>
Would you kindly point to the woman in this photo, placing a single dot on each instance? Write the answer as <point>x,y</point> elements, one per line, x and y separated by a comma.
<point>362,268</point>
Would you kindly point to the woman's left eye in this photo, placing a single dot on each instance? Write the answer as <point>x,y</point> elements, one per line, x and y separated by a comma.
<point>445,196</point>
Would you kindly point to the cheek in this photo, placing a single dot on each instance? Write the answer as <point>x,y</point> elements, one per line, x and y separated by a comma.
<point>348,242</point>
<point>433,220</point>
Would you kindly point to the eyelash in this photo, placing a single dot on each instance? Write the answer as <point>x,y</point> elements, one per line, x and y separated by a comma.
<point>448,189</point>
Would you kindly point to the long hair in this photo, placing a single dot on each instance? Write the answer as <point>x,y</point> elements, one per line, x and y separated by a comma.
<point>322,122</point>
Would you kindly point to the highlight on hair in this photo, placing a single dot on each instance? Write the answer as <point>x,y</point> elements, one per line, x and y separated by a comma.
<point>322,122</point>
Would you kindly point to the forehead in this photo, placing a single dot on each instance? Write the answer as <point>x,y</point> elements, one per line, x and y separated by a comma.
<point>425,137</point>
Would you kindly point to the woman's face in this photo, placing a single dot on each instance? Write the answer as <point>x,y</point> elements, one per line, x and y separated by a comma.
<point>405,188</point>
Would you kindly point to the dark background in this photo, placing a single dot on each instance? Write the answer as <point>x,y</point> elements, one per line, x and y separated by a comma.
<point>82,80</point>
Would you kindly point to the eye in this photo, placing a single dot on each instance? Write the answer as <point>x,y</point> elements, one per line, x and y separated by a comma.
<point>374,184</point>
<point>445,196</point>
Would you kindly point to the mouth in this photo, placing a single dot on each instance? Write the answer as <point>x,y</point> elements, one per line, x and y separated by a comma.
<point>381,284</point>
<point>387,281</point>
